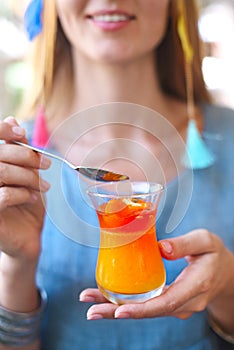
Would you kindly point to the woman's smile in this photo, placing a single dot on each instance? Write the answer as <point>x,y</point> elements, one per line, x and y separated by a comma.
<point>110,20</point>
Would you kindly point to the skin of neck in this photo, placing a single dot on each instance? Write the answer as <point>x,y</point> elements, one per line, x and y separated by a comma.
<point>134,82</point>
<point>98,82</point>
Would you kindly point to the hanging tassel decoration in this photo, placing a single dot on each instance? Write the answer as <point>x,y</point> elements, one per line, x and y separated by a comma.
<point>40,137</point>
<point>198,155</point>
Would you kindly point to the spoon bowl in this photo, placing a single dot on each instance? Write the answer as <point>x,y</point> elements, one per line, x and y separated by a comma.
<point>91,173</point>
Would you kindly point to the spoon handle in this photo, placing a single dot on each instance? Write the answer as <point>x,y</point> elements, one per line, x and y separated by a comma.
<point>45,153</point>
<point>91,173</point>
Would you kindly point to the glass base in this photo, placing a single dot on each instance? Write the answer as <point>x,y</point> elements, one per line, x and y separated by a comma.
<point>119,298</point>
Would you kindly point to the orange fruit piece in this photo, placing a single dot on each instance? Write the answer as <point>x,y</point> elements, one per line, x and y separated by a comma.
<point>120,212</point>
<point>115,206</point>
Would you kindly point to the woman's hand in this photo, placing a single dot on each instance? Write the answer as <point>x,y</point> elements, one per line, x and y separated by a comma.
<point>21,205</point>
<point>205,278</point>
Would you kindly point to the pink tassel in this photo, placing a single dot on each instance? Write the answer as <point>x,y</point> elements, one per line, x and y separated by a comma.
<point>40,133</point>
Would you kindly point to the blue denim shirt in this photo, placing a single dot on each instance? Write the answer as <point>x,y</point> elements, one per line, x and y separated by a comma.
<point>70,238</point>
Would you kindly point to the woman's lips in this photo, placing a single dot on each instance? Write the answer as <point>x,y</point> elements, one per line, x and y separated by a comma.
<point>110,20</point>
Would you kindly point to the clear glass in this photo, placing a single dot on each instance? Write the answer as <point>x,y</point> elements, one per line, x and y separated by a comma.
<point>129,265</point>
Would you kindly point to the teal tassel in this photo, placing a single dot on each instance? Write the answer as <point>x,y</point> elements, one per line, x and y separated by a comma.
<point>198,156</point>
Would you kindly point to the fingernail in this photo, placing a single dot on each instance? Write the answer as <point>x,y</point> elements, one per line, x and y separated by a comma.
<point>166,246</point>
<point>44,185</point>
<point>45,162</point>
<point>18,131</point>
<point>87,299</point>
<point>94,317</point>
<point>122,315</point>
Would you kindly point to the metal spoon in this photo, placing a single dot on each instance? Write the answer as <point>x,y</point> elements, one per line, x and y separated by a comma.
<point>91,173</point>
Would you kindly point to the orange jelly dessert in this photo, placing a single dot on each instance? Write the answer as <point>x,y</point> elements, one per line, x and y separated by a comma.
<point>129,260</point>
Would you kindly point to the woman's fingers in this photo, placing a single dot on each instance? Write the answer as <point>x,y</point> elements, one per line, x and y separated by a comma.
<point>196,242</point>
<point>19,176</point>
<point>99,311</point>
<point>11,120</point>
<point>9,132</point>
<point>14,154</point>
<point>92,295</point>
<point>151,308</point>
<point>12,196</point>
<point>13,175</point>
<point>19,168</point>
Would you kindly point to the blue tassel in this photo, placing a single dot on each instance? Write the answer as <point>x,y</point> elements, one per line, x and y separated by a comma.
<point>32,18</point>
<point>198,156</point>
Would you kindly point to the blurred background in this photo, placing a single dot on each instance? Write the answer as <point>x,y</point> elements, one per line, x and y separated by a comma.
<point>216,26</point>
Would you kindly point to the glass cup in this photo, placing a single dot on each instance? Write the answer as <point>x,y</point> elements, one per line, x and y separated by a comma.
<point>129,266</point>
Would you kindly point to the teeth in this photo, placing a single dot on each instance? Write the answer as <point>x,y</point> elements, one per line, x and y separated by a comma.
<point>110,18</point>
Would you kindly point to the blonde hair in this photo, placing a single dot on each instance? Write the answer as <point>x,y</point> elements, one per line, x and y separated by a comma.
<point>170,56</point>
<point>52,51</point>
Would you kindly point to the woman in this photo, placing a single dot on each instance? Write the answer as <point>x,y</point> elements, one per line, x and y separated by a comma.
<point>112,51</point>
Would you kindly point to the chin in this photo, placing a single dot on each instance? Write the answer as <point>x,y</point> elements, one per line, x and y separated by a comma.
<point>112,53</point>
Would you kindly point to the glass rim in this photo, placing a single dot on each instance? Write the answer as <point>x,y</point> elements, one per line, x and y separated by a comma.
<point>158,190</point>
